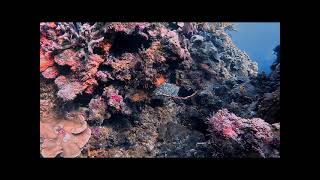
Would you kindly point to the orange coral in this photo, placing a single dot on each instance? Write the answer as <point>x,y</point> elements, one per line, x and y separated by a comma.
<point>160,80</point>
<point>120,65</point>
<point>153,52</point>
<point>52,24</point>
<point>123,65</point>
<point>45,61</point>
<point>106,46</point>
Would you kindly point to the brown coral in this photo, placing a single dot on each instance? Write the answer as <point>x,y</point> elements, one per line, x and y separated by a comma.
<point>63,136</point>
<point>123,66</point>
<point>153,53</point>
<point>138,96</point>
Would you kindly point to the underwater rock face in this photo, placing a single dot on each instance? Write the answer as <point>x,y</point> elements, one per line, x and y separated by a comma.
<point>178,141</point>
<point>147,89</point>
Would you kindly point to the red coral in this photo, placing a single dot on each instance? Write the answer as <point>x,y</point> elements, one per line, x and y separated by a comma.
<point>50,73</point>
<point>116,98</point>
<point>52,24</point>
<point>161,79</point>
<point>106,46</point>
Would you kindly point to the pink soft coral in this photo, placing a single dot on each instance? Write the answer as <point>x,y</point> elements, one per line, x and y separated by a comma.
<point>114,99</point>
<point>234,133</point>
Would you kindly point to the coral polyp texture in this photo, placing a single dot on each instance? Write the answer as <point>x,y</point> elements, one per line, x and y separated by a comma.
<point>144,89</point>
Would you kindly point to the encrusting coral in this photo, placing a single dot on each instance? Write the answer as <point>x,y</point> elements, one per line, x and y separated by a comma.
<point>63,136</point>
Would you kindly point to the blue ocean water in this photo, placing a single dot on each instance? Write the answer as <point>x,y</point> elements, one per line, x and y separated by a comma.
<point>258,41</point>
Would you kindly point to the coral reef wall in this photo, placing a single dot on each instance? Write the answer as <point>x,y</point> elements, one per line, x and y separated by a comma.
<point>147,89</point>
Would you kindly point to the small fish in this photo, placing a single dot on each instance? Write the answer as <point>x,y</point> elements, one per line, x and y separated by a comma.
<point>242,88</point>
